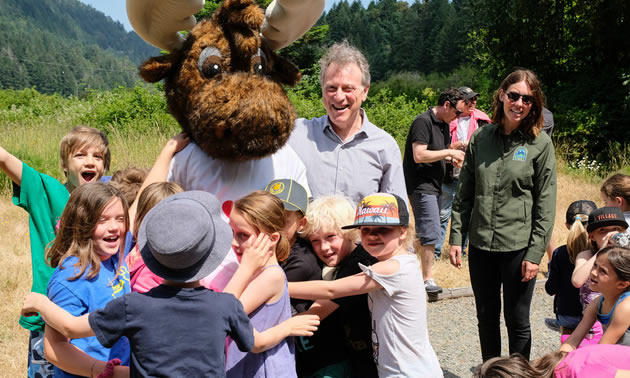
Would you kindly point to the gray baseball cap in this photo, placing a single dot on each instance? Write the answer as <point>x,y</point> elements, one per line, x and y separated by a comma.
<point>292,194</point>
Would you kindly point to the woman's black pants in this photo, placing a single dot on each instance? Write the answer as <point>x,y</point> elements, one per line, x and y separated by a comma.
<point>488,272</point>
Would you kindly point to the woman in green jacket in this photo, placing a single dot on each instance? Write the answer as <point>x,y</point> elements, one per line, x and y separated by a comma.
<point>506,201</point>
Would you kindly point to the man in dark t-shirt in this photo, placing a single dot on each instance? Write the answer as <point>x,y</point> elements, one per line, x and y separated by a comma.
<point>427,151</point>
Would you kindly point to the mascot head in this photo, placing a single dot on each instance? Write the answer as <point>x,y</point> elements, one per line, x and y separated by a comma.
<point>224,84</point>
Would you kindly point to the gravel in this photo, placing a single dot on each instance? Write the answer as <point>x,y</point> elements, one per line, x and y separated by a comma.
<point>453,332</point>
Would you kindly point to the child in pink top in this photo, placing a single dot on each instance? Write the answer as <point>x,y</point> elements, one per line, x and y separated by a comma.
<point>140,277</point>
<point>593,361</point>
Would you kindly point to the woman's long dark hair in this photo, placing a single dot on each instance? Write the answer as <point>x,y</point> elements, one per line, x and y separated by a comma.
<point>533,123</point>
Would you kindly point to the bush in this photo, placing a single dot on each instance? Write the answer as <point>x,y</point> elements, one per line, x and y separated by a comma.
<point>395,114</point>
<point>128,109</point>
<point>16,105</point>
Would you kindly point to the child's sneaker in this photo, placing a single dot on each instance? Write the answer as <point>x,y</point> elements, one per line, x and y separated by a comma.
<point>552,324</point>
<point>431,287</point>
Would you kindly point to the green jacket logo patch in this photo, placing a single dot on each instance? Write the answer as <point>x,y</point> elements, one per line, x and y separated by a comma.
<point>520,154</point>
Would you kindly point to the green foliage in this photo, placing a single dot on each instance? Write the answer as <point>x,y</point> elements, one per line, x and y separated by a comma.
<point>394,114</point>
<point>578,50</point>
<point>137,109</point>
<point>65,47</point>
<point>27,104</point>
<point>308,49</point>
<point>307,107</point>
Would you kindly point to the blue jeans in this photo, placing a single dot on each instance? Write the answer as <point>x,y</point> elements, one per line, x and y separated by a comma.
<point>446,203</point>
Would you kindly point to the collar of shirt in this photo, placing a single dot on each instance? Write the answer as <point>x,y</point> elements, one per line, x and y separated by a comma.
<point>363,133</point>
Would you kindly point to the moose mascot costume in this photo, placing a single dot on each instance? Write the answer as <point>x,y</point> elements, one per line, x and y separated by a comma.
<point>224,86</point>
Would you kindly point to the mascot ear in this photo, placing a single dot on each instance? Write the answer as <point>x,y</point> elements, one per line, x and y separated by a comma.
<point>157,68</point>
<point>282,70</point>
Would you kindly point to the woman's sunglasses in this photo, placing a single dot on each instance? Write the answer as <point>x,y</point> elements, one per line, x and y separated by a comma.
<point>513,97</point>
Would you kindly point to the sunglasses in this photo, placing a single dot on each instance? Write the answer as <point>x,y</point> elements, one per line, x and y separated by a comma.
<point>457,111</point>
<point>513,97</point>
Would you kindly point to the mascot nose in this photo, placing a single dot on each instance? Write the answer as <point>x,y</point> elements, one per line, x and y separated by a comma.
<point>275,131</point>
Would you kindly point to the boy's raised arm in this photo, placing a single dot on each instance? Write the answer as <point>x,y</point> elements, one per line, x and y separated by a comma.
<point>56,317</point>
<point>11,165</point>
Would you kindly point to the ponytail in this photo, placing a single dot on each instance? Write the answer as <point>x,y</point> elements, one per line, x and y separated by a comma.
<point>577,240</point>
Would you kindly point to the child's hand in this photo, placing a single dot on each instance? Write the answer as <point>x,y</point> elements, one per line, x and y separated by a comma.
<point>302,325</point>
<point>256,252</point>
<point>178,142</point>
<point>32,304</point>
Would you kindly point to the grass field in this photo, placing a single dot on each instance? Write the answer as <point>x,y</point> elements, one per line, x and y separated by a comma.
<point>38,148</point>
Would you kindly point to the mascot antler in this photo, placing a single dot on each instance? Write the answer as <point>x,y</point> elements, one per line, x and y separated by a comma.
<point>223,81</point>
<point>159,21</point>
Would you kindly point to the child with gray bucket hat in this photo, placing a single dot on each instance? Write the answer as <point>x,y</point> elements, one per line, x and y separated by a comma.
<point>178,328</point>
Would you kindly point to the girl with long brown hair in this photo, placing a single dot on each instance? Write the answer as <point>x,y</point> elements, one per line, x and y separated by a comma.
<point>90,272</point>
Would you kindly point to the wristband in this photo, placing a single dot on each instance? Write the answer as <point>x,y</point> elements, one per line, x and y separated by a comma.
<point>109,368</point>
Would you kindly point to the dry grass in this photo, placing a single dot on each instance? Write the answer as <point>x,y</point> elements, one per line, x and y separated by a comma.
<point>15,280</point>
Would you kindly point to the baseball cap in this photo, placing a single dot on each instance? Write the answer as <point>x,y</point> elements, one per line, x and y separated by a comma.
<point>606,216</point>
<point>292,194</point>
<point>467,92</point>
<point>580,209</point>
<point>380,209</point>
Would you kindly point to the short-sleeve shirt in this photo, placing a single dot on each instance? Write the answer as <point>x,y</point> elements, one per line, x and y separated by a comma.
<point>44,199</point>
<point>81,296</point>
<point>426,178</point>
<point>399,315</point>
<point>175,332</point>
<point>230,180</point>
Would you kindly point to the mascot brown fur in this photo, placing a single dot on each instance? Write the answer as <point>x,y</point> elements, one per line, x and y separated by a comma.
<point>224,86</point>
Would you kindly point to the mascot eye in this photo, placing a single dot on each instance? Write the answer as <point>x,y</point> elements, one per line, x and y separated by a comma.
<point>259,62</point>
<point>210,63</point>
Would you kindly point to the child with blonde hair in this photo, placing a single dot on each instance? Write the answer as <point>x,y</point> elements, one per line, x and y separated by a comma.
<point>341,346</point>
<point>397,299</point>
<point>566,302</point>
<point>141,277</point>
<point>84,156</point>
<point>600,360</point>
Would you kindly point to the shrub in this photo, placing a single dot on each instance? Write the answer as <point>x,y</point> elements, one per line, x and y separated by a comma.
<point>128,109</point>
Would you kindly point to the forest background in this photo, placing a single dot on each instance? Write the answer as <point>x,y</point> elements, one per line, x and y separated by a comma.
<point>578,48</point>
